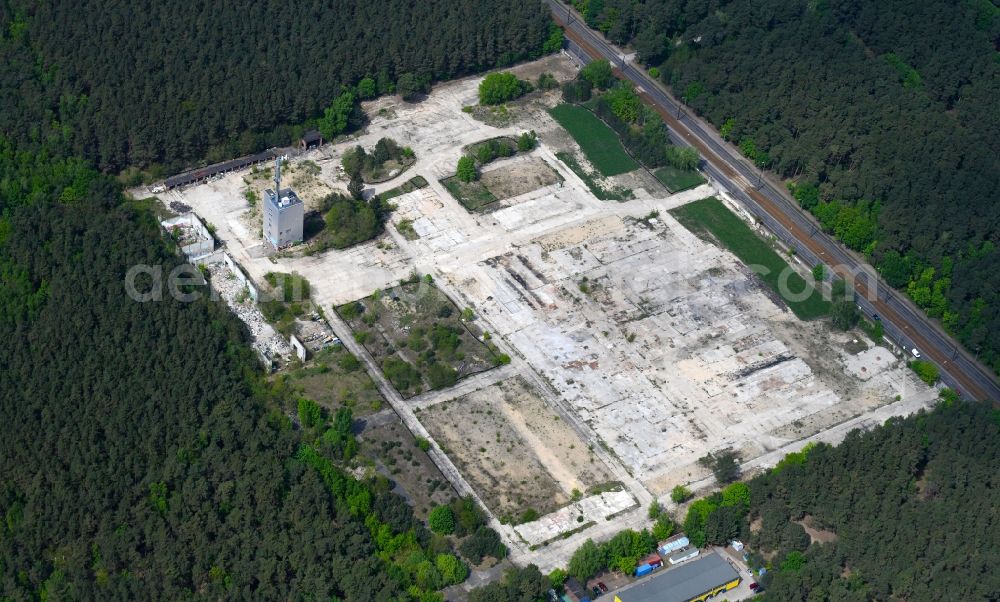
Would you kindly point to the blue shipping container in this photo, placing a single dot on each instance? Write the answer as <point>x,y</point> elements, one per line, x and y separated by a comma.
<point>643,569</point>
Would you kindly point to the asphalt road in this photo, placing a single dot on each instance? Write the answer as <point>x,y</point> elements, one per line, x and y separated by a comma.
<point>903,323</point>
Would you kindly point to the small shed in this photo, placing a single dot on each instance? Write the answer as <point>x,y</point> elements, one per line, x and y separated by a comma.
<point>682,555</point>
<point>654,560</point>
<point>311,139</point>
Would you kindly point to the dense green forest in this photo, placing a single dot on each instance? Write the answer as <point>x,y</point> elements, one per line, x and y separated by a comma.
<point>883,115</point>
<point>169,82</point>
<point>144,456</point>
<point>906,511</point>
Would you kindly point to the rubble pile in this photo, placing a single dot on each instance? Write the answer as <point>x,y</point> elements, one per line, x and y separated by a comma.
<point>265,338</point>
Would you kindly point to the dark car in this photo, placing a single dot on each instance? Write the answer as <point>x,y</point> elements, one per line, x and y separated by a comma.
<point>604,588</point>
<point>597,591</point>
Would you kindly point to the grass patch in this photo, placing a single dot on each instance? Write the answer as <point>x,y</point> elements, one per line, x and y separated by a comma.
<point>414,183</point>
<point>496,116</point>
<point>710,216</point>
<point>677,180</point>
<point>598,141</point>
<point>334,378</point>
<point>474,195</point>
<point>285,299</point>
<point>605,487</point>
<point>405,228</point>
<point>618,194</point>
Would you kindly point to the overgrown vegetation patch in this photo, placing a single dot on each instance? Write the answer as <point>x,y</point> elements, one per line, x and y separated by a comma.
<point>421,340</point>
<point>599,142</point>
<point>677,180</point>
<point>710,217</point>
<point>385,161</point>
<point>474,195</point>
<point>285,299</point>
<point>466,186</point>
<point>345,222</point>
<point>414,183</point>
<point>335,379</point>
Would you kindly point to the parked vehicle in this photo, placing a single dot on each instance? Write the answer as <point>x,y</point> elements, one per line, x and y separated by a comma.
<point>604,588</point>
<point>916,353</point>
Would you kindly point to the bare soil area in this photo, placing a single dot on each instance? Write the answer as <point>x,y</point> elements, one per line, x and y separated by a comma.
<point>514,450</point>
<point>557,65</point>
<point>816,535</point>
<point>514,178</point>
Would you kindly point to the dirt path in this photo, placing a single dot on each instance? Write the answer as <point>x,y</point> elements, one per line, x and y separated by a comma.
<point>565,477</point>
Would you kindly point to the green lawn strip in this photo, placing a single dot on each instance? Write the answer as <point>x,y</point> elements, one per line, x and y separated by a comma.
<point>618,194</point>
<point>712,217</point>
<point>599,142</point>
<point>677,180</point>
<point>414,183</point>
<point>474,196</point>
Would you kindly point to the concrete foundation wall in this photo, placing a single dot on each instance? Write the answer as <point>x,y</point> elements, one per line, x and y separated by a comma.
<point>205,243</point>
<point>300,349</point>
<point>241,276</point>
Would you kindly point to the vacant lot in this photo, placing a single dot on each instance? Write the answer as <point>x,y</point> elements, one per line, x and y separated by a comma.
<point>677,180</point>
<point>418,337</point>
<point>334,379</point>
<point>397,455</point>
<point>515,451</point>
<point>511,178</point>
<point>474,196</point>
<point>710,216</point>
<point>518,177</point>
<point>599,142</point>
<point>588,178</point>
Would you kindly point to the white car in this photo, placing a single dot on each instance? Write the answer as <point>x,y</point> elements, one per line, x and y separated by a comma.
<point>915,352</point>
